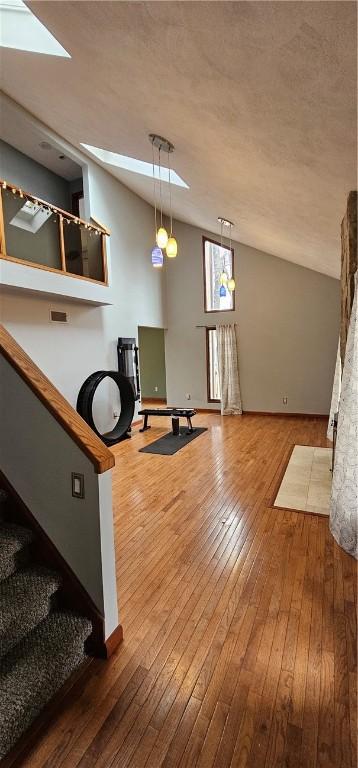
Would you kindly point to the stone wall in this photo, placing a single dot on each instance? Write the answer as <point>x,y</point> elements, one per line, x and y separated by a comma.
<point>348,266</point>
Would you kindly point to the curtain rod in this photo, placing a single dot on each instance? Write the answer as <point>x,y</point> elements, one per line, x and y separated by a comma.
<point>213,326</point>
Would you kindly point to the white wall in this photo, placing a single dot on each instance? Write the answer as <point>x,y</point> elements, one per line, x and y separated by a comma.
<point>69,353</point>
<point>287,325</point>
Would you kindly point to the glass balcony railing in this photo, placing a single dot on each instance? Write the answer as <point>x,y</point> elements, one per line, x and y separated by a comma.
<point>37,233</point>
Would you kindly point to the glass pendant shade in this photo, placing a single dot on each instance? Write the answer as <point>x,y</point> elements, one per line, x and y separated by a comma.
<point>223,278</point>
<point>162,237</point>
<point>222,291</point>
<point>172,248</point>
<point>157,257</point>
<point>231,284</point>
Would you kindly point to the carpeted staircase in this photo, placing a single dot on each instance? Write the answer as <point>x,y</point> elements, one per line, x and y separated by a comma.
<point>40,646</point>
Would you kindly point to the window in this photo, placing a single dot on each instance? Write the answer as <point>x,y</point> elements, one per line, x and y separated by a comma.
<point>212,367</point>
<point>22,30</point>
<point>217,259</point>
<point>30,216</point>
<point>136,166</point>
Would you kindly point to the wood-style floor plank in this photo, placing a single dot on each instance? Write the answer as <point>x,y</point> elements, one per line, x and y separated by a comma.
<point>239,619</point>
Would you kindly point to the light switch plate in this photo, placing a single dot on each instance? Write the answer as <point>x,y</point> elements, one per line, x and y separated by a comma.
<point>78,485</point>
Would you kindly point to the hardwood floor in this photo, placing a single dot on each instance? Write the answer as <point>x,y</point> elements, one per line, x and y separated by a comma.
<point>239,619</point>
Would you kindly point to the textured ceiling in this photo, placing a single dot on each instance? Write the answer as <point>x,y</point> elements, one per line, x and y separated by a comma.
<point>259,99</point>
<point>25,135</point>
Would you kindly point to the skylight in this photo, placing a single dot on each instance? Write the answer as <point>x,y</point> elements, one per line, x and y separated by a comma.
<point>136,166</point>
<point>20,29</point>
<point>30,217</point>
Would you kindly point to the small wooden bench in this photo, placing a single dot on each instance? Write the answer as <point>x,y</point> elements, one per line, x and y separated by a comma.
<point>175,413</point>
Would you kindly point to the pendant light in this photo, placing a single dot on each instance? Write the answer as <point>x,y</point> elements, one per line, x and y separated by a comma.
<point>172,248</point>
<point>163,240</point>
<point>162,234</point>
<point>162,237</point>
<point>231,282</point>
<point>225,281</point>
<point>157,253</point>
<point>172,245</point>
<point>157,257</point>
<point>223,277</point>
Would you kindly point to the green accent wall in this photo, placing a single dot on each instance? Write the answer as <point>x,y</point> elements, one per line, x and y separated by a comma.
<point>152,362</point>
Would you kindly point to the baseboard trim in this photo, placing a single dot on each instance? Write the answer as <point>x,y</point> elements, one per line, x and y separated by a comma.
<point>291,415</point>
<point>162,400</point>
<point>113,641</point>
<point>136,423</point>
<point>270,413</point>
<point>71,593</point>
<point>208,410</point>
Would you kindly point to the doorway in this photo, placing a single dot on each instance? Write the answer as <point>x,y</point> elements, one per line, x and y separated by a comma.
<point>151,344</point>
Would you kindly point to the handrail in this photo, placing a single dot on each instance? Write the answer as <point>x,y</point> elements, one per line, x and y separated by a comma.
<point>64,217</point>
<point>101,458</point>
<point>100,228</point>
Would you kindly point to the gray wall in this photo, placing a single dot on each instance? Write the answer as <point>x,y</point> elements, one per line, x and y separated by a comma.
<point>41,247</point>
<point>76,186</point>
<point>40,471</point>
<point>287,326</point>
<point>151,345</point>
<point>18,169</point>
<point>38,464</point>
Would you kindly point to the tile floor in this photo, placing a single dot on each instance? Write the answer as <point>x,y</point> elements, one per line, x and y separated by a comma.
<point>306,484</point>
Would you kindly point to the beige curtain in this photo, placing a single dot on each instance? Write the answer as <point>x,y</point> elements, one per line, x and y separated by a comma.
<point>228,370</point>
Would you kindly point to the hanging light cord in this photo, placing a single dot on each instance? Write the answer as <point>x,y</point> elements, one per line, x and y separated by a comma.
<point>154,191</point>
<point>160,190</point>
<point>170,196</point>
<point>230,246</point>
<point>221,245</point>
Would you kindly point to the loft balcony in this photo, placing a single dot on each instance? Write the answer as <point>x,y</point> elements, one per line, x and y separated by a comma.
<point>45,249</point>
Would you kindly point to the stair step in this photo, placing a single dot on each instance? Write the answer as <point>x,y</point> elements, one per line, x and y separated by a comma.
<point>25,599</point>
<point>35,669</point>
<point>14,542</point>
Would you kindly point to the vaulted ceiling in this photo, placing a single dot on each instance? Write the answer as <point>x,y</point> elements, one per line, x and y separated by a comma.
<point>259,99</point>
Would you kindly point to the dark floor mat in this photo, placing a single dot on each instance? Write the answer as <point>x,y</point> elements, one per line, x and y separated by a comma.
<point>169,444</point>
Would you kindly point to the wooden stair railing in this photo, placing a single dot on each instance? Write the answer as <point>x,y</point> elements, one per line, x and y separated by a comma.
<point>101,457</point>
<point>63,216</point>
<point>55,208</point>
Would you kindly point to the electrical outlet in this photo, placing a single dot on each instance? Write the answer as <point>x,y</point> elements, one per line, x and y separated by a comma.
<point>284,400</point>
<point>188,395</point>
<point>155,389</point>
